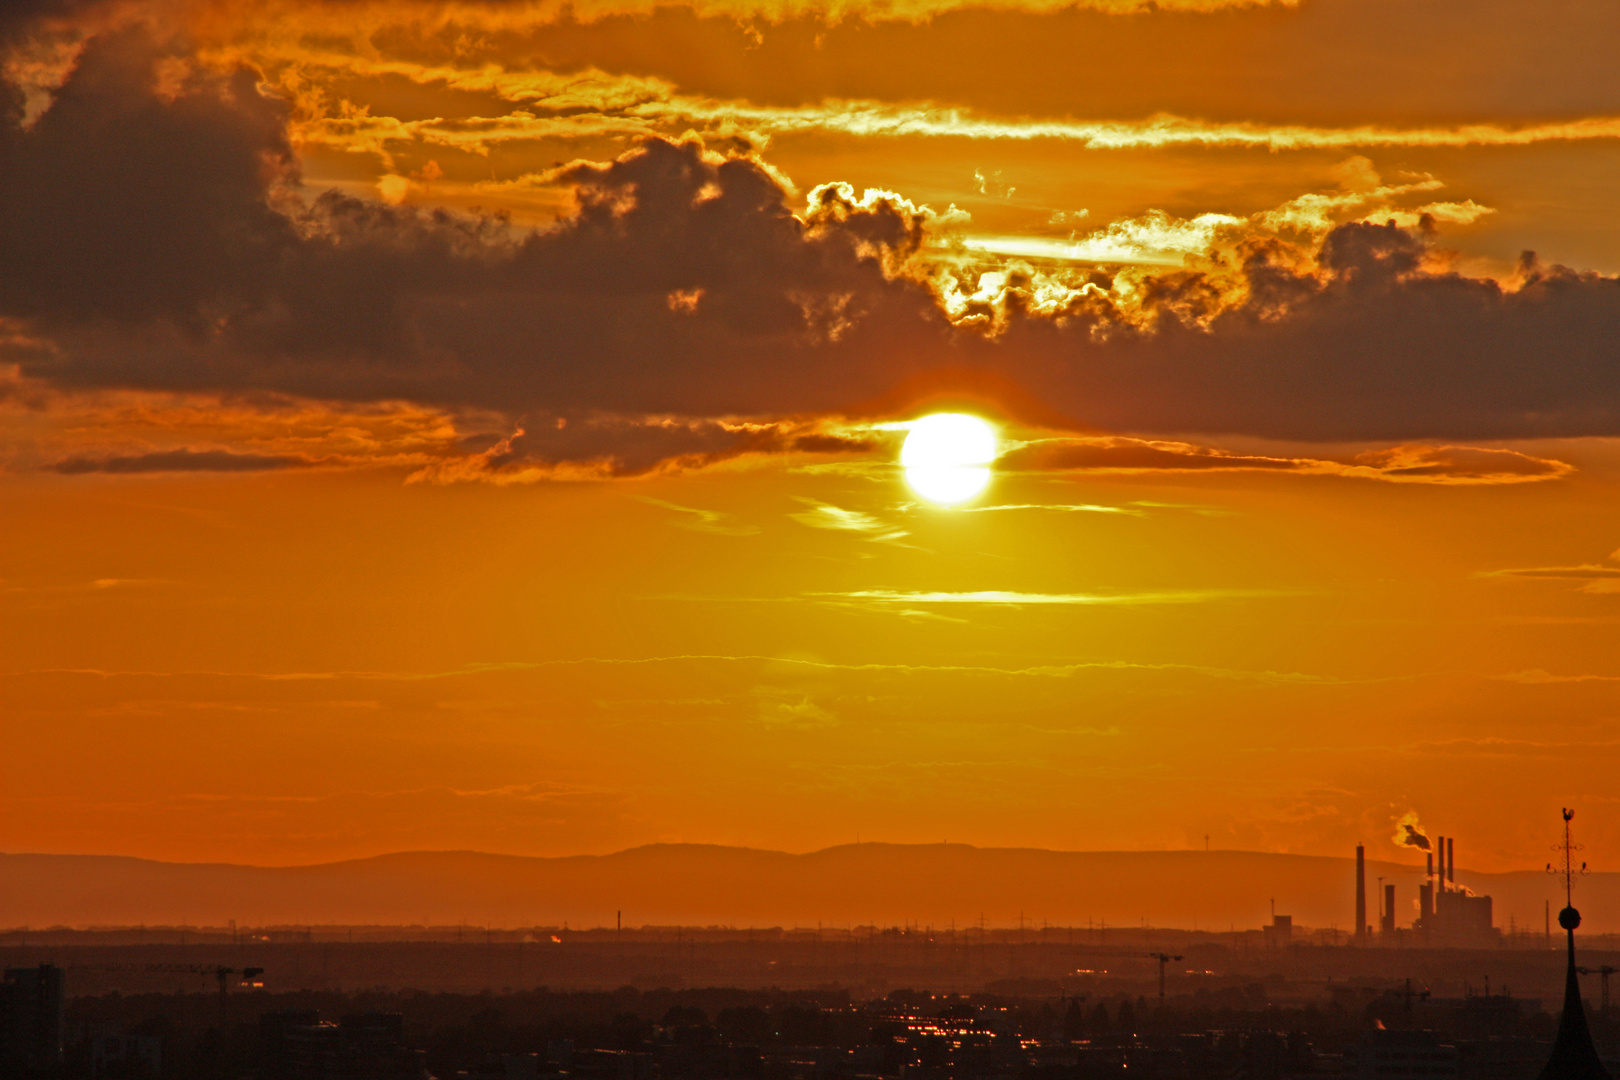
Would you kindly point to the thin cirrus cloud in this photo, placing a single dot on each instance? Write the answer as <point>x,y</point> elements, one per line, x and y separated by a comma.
<point>1007,598</point>
<point>823,515</point>
<point>668,114</point>
<point>1583,571</point>
<point>1596,578</point>
<point>875,119</point>
<point>1060,508</point>
<point>705,521</point>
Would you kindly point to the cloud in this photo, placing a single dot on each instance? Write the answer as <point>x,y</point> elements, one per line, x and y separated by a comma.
<point>1457,465</point>
<point>498,670</point>
<point>181,461</point>
<point>595,104</point>
<point>1398,464</point>
<point>1584,571</point>
<point>157,238</point>
<point>1538,677</point>
<point>97,585</point>
<point>1064,508</point>
<point>709,521</point>
<point>1120,454</point>
<point>600,446</point>
<point>1285,61</point>
<point>1598,579</point>
<point>1007,598</point>
<point>823,515</point>
<point>827,516</point>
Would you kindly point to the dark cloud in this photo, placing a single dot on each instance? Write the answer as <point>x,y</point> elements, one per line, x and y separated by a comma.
<point>1459,462</point>
<point>23,18</point>
<point>1132,454</point>
<point>1407,463</point>
<point>618,446</point>
<point>180,461</point>
<point>156,244</point>
<point>1375,350</point>
<point>161,241</point>
<point>119,208</point>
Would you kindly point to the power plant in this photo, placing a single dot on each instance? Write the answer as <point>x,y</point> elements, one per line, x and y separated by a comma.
<point>1448,914</point>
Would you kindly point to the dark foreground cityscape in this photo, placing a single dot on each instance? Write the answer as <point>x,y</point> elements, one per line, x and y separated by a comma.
<point>1448,996</point>
<point>901,1003</point>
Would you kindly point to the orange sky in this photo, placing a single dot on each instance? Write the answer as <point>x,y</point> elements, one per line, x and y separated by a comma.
<point>474,425</point>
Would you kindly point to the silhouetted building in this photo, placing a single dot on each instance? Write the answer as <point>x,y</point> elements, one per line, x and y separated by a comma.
<point>31,1020</point>
<point>1573,1056</point>
<point>110,1051</point>
<point>1385,1055</point>
<point>299,1045</point>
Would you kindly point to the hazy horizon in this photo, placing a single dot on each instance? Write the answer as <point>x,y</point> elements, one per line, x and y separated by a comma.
<point>703,885</point>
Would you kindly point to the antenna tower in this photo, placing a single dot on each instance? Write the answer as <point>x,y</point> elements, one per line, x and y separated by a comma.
<point>1570,871</point>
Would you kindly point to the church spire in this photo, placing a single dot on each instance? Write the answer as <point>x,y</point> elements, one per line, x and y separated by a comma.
<point>1573,1055</point>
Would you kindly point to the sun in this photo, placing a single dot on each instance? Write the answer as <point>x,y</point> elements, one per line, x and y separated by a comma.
<point>947,457</point>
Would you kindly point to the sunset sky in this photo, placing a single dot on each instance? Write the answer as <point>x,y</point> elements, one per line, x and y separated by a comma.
<point>432,425</point>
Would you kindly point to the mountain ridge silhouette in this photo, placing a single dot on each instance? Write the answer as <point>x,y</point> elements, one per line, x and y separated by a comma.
<point>713,884</point>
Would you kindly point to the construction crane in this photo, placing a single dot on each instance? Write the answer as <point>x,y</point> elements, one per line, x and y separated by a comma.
<point>221,973</point>
<point>1163,959</point>
<point>1410,994</point>
<point>1605,971</point>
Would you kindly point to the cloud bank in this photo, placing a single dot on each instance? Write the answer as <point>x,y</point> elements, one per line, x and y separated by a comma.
<point>157,237</point>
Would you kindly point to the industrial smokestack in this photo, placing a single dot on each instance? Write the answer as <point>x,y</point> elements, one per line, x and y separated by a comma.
<point>1451,860</point>
<point>1440,864</point>
<point>1387,925</point>
<point>1429,860</point>
<point>1361,892</point>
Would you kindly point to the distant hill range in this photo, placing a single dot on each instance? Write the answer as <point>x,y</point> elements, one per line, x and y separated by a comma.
<point>703,885</point>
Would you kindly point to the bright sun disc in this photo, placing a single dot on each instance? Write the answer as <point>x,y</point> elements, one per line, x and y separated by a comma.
<point>947,457</point>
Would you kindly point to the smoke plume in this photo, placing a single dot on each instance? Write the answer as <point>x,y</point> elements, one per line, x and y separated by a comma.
<point>1408,833</point>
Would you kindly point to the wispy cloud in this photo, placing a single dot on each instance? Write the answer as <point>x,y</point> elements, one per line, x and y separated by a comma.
<point>823,515</point>
<point>697,520</point>
<point>1583,571</point>
<point>1060,669</point>
<point>868,118</point>
<point>1008,598</point>
<point>1191,508</point>
<point>595,104</point>
<point>1066,508</point>
<point>96,585</point>
<point>1596,577</point>
<point>1538,677</point>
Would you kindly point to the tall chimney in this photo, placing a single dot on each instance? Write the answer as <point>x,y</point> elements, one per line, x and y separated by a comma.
<point>1387,923</point>
<point>1439,865</point>
<point>1451,860</point>
<point>1426,892</point>
<point>1361,892</point>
